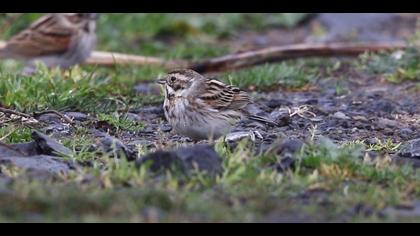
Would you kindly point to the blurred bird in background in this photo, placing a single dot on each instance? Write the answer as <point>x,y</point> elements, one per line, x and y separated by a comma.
<point>58,40</point>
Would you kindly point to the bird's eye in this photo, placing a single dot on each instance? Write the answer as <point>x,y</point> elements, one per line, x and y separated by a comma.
<point>173,78</point>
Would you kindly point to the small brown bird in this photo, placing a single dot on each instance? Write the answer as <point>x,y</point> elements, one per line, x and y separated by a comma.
<point>202,108</point>
<point>58,40</point>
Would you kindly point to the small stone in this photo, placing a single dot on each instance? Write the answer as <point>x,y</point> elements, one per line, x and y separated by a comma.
<point>316,119</point>
<point>383,122</point>
<point>360,118</point>
<point>43,163</point>
<point>49,118</point>
<point>383,106</point>
<point>285,153</point>
<point>142,143</point>
<point>7,150</point>
<point>359,125</point>
<point>371,141</point>
<point>57,128</point>
<point>285,163</point>
<point>186,159</point>
<point>28,149</point>
<point>411,149</point>
<point>166,128</point>
<point>49,146</point>
<point>405,133</point>
<point>397,55</point>
<point>77,116</point>
<point>346,124</point>
<point>372,155</point>
<point>281,117</point>
<point>388,131</point>
<point>132,117</point>
<point>148,129</point>
<point>312,101</point>
<point>340,115</point>
<point>290,146</point>
<point>115,147</point>
<point>275,103</point>
<point>237,136</point>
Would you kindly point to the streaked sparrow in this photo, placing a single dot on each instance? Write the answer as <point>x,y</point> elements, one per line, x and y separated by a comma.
<point>202,108</point>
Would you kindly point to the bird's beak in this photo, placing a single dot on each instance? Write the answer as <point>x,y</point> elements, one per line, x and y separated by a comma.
<point>161,81</point>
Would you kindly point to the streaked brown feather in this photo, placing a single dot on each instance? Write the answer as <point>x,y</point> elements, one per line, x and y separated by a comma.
<point>45,36</point>
<point>221,96</point>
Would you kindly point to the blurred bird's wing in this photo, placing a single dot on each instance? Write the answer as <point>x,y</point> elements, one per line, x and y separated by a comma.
<point>44,37</point>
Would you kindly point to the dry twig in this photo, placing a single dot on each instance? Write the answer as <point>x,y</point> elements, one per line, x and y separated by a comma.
<point>280,53</point>
<point>244,59</point>
<point>112,59</point>
<point>12,112</point>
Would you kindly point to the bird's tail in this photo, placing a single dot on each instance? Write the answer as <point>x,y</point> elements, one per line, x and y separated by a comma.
<point>263,120</point>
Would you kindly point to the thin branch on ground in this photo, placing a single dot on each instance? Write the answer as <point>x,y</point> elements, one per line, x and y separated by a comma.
<point>16,113</point>
<point>112,59</point>
<point>12,112</point>
<point>281,53</point>
<point>244,59</point>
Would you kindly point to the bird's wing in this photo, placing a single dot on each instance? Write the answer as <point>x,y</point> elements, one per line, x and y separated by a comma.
<point>221,96</point>
<point>45,36</point>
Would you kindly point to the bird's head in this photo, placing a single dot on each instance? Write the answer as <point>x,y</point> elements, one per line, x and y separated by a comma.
<point>181,82</point>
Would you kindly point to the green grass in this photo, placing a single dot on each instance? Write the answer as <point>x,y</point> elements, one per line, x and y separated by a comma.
<point>13,133</point>
<point>323,167</point>
<point>286,75</point>
<point>50,91</point>
<point>121,122</point>
<point>81,90</point>
<point>382,146</point>
<point>396,68</point>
